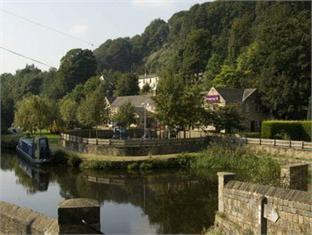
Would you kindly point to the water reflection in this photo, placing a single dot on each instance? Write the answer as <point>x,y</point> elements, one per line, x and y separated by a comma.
<point>156,202</point>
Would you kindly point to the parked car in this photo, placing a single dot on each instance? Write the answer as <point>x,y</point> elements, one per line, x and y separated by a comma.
<point>120,133</point>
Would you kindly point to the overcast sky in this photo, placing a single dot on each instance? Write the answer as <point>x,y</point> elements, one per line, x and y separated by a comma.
<point>92,21</point>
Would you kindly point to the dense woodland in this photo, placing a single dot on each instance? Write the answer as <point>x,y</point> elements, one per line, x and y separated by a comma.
<point>263,45</point>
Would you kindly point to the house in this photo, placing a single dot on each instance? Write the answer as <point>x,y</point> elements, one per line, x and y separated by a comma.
<point>143,105</point>
<point>151,80</point>
<point>245,99</point>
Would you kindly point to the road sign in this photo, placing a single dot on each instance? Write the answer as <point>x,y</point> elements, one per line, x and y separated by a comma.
<point>270,213</point>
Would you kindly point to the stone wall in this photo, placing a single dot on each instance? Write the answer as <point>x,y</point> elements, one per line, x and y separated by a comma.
<point>18,220</point>
<point>257,209</point>
<point>75,216</point>
<point>140,148</point>
<point>284,155</point>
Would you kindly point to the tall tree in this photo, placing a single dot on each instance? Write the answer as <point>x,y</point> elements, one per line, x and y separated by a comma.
<point>33,114</point>
<point>77,66</point>
<point>196,52</point>
<point>127,84</point>
<point>125,115</point>
<point>93,110</point>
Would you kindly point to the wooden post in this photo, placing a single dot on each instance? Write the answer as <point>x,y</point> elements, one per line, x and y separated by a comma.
<point>302,144</point>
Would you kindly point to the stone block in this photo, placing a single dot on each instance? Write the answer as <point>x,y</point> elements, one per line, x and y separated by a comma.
<point>79,215</point>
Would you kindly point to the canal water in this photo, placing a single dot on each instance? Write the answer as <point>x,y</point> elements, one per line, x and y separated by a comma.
<point>134,203</point>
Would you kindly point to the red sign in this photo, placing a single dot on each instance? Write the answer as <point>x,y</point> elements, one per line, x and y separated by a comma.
<point>212,98</point>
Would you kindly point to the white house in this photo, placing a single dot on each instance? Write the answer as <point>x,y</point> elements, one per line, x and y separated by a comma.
<point>151,80</point>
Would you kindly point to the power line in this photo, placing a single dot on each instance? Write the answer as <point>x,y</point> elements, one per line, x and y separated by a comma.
<point>46,27</point>
<point>26,57</point>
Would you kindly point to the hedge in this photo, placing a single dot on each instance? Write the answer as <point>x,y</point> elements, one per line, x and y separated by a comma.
<point>293,130</point>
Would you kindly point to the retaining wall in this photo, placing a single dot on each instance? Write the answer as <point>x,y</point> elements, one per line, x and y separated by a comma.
<point>18,220</point>
<point>252,208</point>
<point>133,147</point>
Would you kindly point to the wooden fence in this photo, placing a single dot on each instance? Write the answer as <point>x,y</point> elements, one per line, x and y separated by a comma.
<point>156,142</point>
<point>280,143</point>
<point>132,142</point>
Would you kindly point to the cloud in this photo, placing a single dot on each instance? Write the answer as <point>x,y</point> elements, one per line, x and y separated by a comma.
<point>78,29</point>
<point>153,3</point>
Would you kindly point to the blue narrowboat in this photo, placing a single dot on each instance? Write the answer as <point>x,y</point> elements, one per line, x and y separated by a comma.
<point>34,150</point>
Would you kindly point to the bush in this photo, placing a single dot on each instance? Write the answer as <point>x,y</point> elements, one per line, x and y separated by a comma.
<point>133,166</point>
<point>294,130</point>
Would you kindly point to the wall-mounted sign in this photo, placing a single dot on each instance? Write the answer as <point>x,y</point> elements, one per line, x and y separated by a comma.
<point>212,98</point>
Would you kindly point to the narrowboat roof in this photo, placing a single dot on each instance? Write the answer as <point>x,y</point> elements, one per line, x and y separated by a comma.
<point>29,140</point>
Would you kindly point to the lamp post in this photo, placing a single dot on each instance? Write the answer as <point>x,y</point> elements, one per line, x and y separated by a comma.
<point>145,105</point>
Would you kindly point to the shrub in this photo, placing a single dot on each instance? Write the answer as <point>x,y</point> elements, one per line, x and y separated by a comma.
<point>294,130</point>
<point>228,156</point>
<point>133,166</point>
<point>145,166</point>
<point>73,160</point>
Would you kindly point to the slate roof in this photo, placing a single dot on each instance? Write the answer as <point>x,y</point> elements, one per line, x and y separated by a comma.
<point>135,100</point>
<point>234,95</point>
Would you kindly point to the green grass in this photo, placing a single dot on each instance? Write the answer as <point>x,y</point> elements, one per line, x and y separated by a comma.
<point>260,168</point>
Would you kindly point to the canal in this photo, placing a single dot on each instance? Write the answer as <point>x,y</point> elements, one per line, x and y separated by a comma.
<point>131,202</point>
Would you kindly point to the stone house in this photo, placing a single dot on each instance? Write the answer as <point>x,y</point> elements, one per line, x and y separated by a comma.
<point>143,105</point>
<point>245,99</point>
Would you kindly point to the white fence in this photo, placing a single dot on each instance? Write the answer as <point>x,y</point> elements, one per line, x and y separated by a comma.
<point>280,143</point>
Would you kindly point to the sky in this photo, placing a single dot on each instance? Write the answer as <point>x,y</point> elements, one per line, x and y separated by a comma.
<point>91,21</point>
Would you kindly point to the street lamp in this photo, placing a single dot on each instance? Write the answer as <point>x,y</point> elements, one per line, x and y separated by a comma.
<point>145,105</point>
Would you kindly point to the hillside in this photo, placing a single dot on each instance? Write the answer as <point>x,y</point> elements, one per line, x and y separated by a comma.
<point>264,45</point>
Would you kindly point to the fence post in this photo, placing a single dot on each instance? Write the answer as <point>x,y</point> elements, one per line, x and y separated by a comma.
<point>302,144</point>
<point>274,142</point>
<point>289,143</point>
<point>260,141</point>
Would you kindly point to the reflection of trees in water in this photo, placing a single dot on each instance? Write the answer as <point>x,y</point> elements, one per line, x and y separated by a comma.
<point>175,201</point>
<point>33,179</point>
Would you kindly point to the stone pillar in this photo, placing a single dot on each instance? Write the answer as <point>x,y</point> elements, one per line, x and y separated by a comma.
<point>295,176</point>
<point>223,178</point>
<point>79,216</point>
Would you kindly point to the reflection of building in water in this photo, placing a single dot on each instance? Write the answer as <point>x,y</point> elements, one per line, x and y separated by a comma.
<point>40,178</point>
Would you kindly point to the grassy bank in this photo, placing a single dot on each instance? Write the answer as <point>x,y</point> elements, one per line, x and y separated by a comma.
<point>257,168</point>
<point>260,168</point>
<point>150,162</point>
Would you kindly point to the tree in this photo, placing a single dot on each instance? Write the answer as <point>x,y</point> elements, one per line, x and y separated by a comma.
<point>213,67</point>
<point>114,55</point>
<point>146,89</point>
<point>127,84</point>
<point>33,114</point>
<point>168,100</point>
<point>77,66</point>
<point>68,112</point>
<point>125,115</point>
<point>93,110</point>
<point>196,52</point>
<point>229,76</point>
<point>222,118</point>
